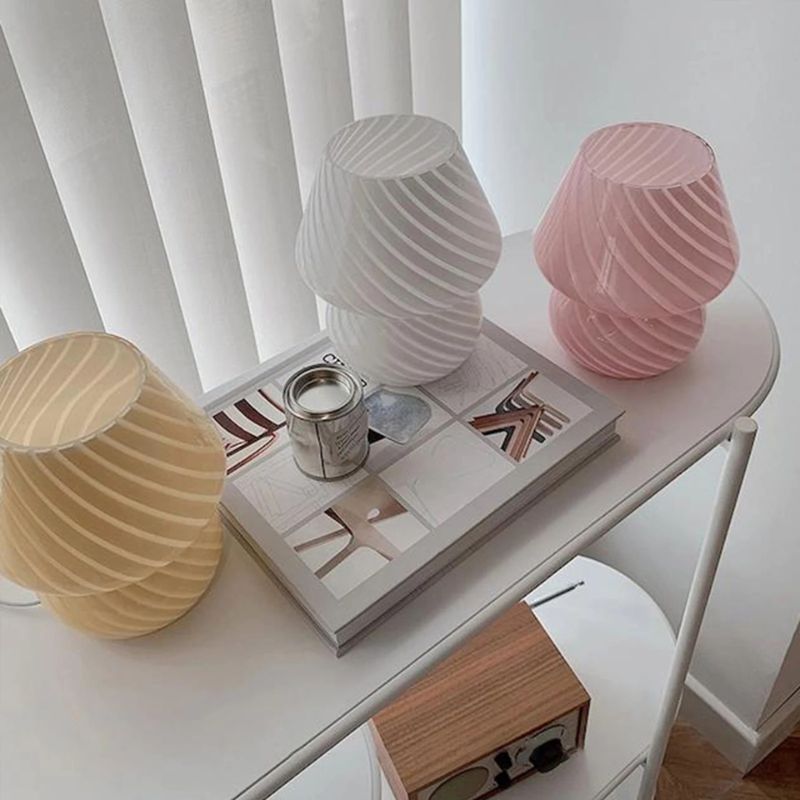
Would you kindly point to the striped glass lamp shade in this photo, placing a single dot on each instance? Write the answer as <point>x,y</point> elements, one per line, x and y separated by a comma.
<point>396,224</point>
<point>109,472</point>
<point>640,225</point>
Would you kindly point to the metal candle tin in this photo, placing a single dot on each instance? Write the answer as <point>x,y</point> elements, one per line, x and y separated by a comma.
<point>329,430</point>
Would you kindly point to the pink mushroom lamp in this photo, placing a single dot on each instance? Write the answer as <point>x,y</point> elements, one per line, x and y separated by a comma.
<point>636,241</point>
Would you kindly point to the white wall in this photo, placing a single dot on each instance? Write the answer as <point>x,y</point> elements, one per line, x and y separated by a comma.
<point>539,76</point>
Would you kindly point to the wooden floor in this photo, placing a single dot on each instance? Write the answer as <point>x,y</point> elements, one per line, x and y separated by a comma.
<point>694,770</point>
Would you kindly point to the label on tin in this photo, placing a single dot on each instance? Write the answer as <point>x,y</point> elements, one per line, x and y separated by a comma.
<point>348,441</point>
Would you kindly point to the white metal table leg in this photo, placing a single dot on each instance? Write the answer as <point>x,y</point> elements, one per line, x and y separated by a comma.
<point>375,777</point>
<point>743,435</point>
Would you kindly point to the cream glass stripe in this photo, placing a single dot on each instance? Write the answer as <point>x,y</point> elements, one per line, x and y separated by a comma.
<point>154,602</point>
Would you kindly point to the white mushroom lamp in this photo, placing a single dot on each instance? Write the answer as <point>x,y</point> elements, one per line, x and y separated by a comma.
<point>398,237</point>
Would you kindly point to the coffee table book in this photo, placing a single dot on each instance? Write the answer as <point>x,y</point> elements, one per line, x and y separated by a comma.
<point>466,453</point>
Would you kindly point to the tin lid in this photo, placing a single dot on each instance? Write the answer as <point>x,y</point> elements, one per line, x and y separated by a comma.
<point>322,392</point>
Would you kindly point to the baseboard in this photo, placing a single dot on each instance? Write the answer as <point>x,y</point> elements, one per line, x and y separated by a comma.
<point>775,728</point>
<point>742,745</point>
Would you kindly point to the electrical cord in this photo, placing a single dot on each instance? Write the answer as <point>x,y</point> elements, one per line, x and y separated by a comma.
<point>21,604</point>
<point>33,603</point>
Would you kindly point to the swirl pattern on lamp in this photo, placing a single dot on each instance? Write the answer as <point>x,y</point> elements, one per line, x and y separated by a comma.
<point>640,224</point>
<point>396,224</point>
<point>624,347</point>
<point>152,603</point>
<point>406,352</point>
<point>108,471</point>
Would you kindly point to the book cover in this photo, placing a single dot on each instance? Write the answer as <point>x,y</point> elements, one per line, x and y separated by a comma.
<point>447,461</point>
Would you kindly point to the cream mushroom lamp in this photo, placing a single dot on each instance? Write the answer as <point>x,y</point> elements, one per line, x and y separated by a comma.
<point>398,237</point>
<point>110,479</point>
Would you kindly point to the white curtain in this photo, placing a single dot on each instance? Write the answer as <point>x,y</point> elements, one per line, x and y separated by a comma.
<point>154,155</point>
<point>435,46</point>
<point>44,286</point>
<point>313,46</point>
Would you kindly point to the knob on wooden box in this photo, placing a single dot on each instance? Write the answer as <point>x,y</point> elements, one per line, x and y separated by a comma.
<point>504,707</point>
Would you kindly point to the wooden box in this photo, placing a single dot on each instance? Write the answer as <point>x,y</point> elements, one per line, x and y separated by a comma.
<point>503,707</point>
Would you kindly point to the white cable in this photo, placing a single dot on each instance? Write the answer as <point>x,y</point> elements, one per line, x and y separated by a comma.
<point>22,604</point>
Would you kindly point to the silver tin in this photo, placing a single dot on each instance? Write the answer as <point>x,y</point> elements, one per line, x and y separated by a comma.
<point>333,443</point>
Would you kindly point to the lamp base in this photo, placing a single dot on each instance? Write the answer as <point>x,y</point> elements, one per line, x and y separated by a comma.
<point>624,347</point>
<point>153,603</point>
<point>406,352</point>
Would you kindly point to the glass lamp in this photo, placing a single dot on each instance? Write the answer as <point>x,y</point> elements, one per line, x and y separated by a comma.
<point>636,241</point>
<point>398,237</point>
<point>110,476</point>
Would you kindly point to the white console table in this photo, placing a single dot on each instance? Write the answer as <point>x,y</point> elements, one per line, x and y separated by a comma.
<point>239,696</point>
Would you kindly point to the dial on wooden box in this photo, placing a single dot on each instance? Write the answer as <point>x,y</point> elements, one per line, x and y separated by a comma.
<point>504,707</point>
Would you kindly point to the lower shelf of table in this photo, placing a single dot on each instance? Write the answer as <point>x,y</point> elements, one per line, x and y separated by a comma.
<point>619,644</point>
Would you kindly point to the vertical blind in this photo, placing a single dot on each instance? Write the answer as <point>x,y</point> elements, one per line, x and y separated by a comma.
<point>7,345</point>
<point>155,154</point>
